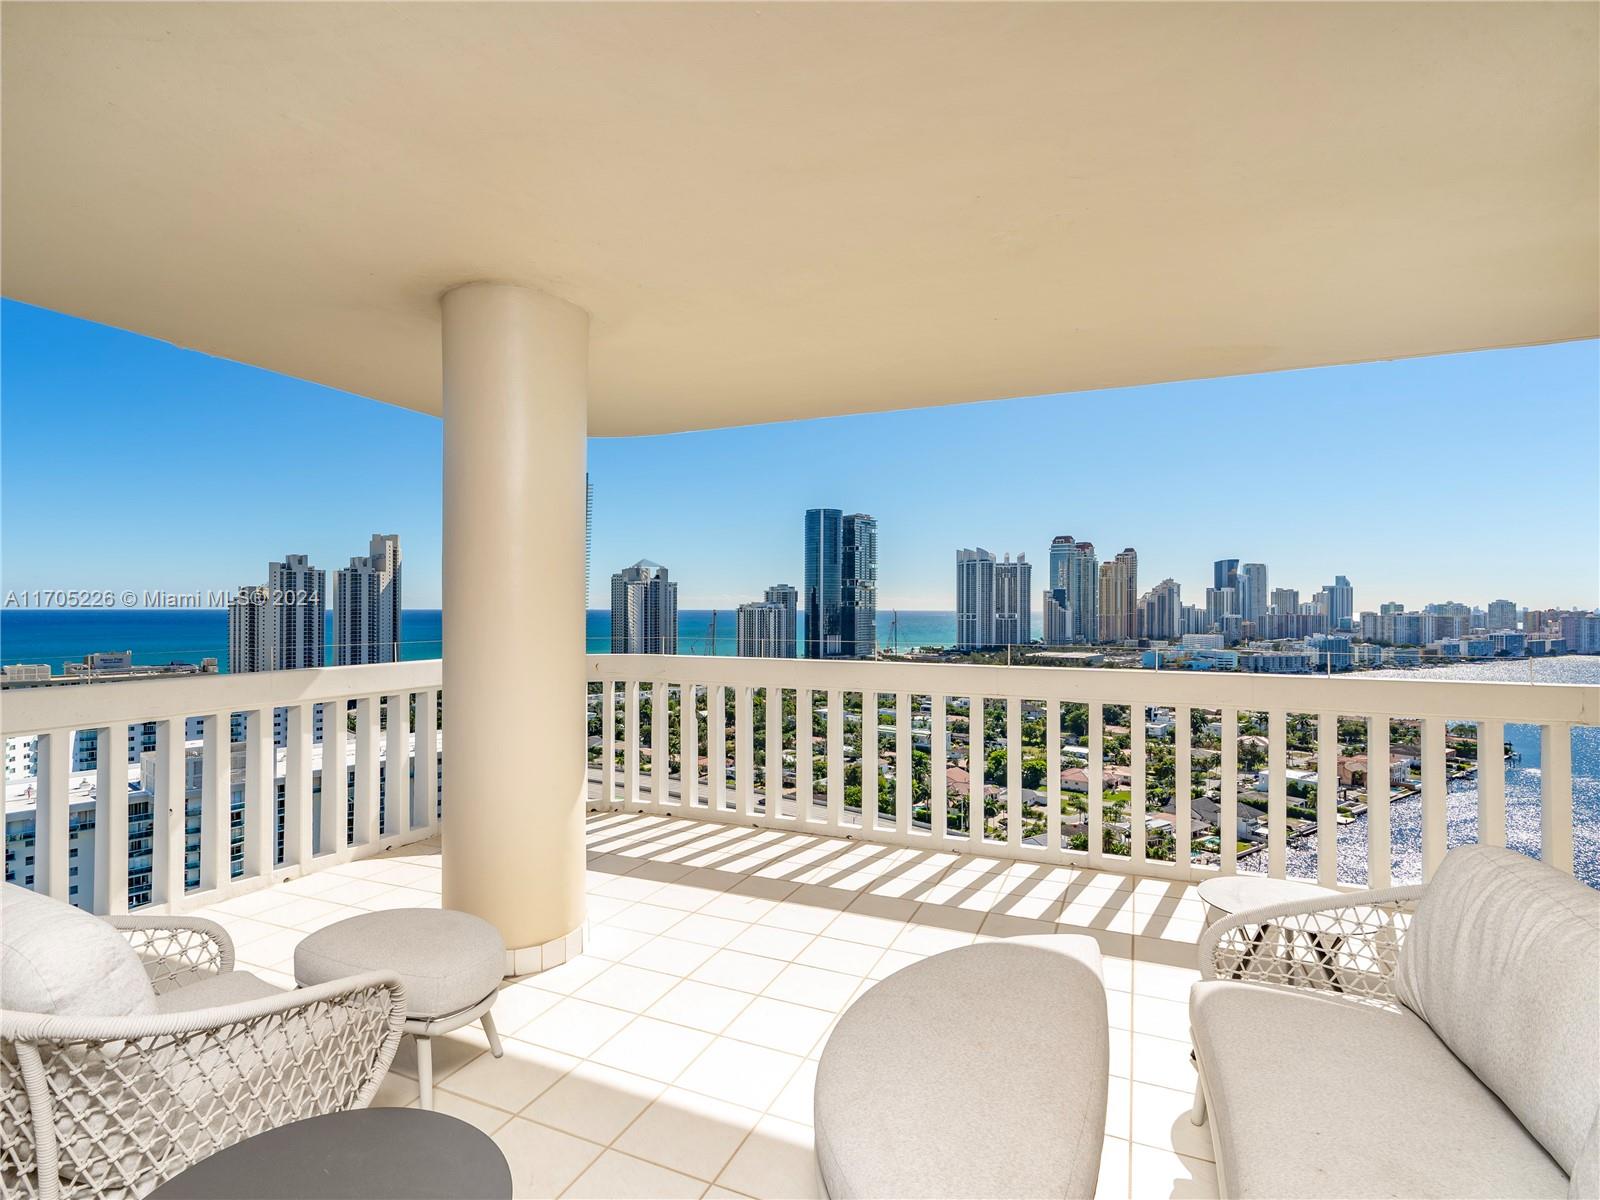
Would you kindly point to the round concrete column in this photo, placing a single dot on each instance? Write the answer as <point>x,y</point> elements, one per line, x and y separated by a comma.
<point>515,428</point>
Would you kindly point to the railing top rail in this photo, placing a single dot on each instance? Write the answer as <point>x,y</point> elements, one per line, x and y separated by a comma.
<point>1353,694</point>
<point>29,710</point>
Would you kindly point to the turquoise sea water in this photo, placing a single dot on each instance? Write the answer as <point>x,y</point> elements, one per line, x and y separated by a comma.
<point>158,636</point>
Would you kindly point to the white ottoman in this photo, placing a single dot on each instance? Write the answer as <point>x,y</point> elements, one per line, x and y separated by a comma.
<point>977,1072</point>
<point>450,962</point>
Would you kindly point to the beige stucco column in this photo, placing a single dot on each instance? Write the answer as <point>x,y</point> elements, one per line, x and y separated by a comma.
<point>515,428</point>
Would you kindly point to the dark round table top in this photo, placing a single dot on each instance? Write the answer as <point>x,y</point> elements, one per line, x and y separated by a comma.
<point>365,1154</point>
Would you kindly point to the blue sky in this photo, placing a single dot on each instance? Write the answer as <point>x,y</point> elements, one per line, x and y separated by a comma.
<point>128,463</point>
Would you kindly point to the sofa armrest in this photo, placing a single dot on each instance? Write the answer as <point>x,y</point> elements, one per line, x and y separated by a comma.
<point>177,950</point>
<point>1347,944</point>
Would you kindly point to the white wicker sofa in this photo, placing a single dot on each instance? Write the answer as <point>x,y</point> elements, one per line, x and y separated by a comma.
<point>154,1052</point>
<point>1424,1041</point>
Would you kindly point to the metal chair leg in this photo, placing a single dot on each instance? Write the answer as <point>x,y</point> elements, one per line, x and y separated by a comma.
<point>425,1072</point>
<point>493,1034</point>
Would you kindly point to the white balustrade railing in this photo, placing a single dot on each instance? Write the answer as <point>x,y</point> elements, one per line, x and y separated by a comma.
<point>241,809</point>
<point>946,712</point>
<point>292,821</point>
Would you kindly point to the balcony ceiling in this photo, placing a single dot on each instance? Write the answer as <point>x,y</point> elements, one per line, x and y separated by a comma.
<point>782,211</point>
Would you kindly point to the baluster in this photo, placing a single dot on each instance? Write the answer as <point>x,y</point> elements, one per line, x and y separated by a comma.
<point>1555,796</point>
<point>660,714</point>
<point>1138,769</point>
<point>1327,799</point>
<point>1052,771</point>
<point>1433,795</point>
<point>976,759</point>
<point>1014,773</point>
<point>167,814</point>
<point>1492,783</point>
<point>427,755</point>
<point>334,810</point>
<point>744,722</point>
<point>366,822</point>
<point>630,744</point>
<point>397,769</point>
<point>1095,800</point>
<point>297,810</point>
<point>716,747</point>
<point>904,797</point>
<point>804,754</point>
<point>835,764</point>
<point>1228,810</point>
<point>260,795</point>
<point>1182,784</point>
<point>938,761</point>
<point>216,816</point>
<point>689,744</point>
<point>608,737</point>
<point>773,752</point>
<point>1378,802</point>
<point>52,815</point>
<point>111,821</point>
<point>869,761</point>
<point>1277,794</point>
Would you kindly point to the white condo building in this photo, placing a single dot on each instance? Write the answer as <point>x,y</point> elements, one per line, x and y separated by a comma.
<point>644,610</point>
<point>299,595</point>
<point>366,605</point>
<point>769,628</point>
<point>250,630</point>
<point>1075,571</point>
<point>281,626</point>
<point>994,600</point>
<point>974,599</point>
<point>1013,601</point>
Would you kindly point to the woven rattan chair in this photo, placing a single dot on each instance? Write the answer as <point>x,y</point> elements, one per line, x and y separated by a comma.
<point>114,1106</point>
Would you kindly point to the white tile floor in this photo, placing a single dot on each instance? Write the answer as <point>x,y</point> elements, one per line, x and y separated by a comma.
<point>676,1057</point>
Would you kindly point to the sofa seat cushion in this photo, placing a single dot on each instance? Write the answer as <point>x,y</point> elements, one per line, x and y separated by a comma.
<point>1314,1095</point>
<point>61,961</point>
<point>977,1072</point>
<point>448,960</point>
<point>215,991</point>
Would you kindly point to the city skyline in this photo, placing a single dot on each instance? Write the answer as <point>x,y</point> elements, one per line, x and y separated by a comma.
<point>1186,472</point>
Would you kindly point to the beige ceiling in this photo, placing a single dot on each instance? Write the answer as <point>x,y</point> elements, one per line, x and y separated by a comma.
<point>780,211</point>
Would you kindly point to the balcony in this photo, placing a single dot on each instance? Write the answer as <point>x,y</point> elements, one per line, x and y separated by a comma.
<point>542,223</point>
<point>726,933</point>
<point>679,1051</point>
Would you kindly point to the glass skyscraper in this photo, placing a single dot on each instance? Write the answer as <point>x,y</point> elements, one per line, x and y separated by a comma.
<point>841,584</point>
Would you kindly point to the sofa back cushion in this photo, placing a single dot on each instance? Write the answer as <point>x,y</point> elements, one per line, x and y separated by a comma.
<point>60,960</point>
<point>1502,960</point>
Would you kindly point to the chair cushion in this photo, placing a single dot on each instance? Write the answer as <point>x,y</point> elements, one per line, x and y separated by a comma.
<point>977,1072</point>
<point>1500,961</point>
<point>60,960</point>
<point>1315,1095</point>
<point>447,960</point>
<point>214,991</point>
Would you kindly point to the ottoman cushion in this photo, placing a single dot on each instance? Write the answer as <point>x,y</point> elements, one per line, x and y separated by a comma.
<point>977,1072</point>
<point>447,960</point>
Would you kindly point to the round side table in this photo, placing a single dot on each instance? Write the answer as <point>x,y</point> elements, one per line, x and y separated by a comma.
<point>1225,895</point>
<point>364,1154</point>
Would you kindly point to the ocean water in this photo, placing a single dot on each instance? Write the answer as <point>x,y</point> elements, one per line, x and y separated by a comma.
<point>158,636</point>
<point>1522,776</point>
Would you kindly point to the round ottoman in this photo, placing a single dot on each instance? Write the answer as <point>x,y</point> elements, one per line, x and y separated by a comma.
<point>450,962</point>
<point>977,1072</point>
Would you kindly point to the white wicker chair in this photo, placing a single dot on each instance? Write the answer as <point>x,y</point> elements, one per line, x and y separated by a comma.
<point>114,1106</point>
